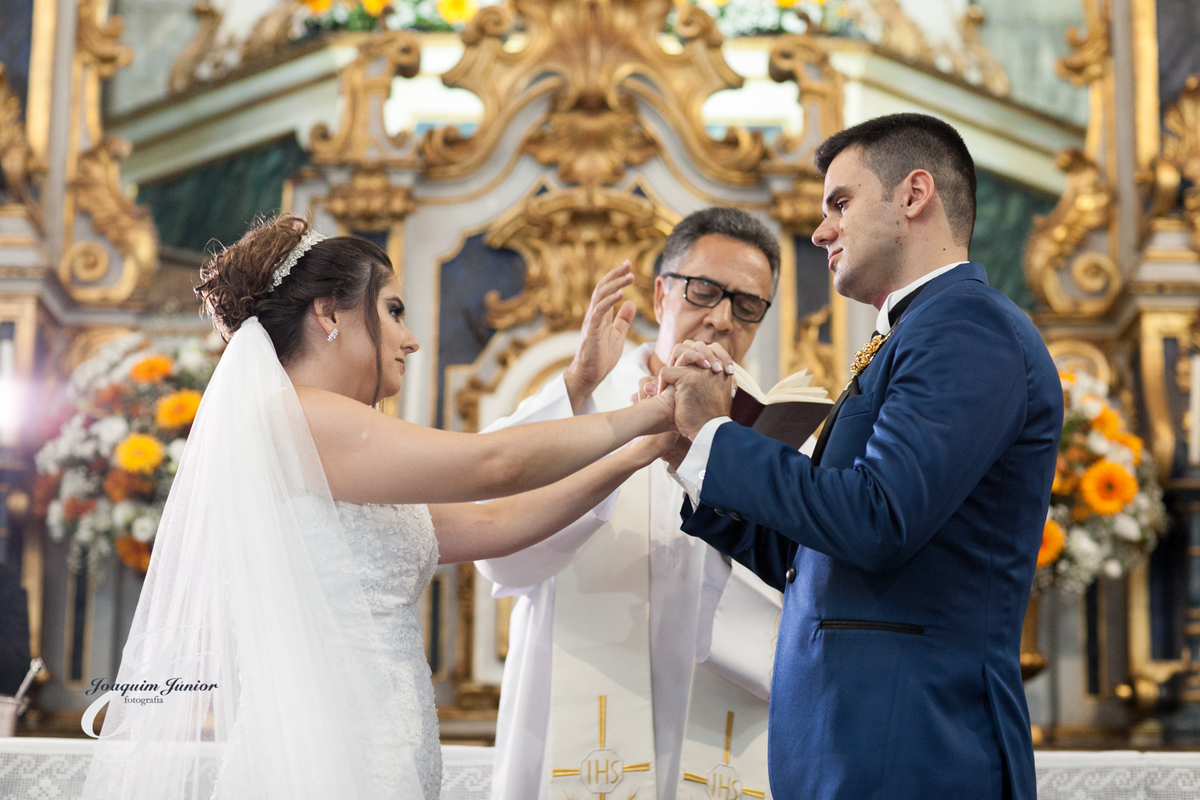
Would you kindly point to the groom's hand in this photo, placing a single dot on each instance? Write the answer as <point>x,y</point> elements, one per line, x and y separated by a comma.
<point>700,395</point>
<point>603,340</point>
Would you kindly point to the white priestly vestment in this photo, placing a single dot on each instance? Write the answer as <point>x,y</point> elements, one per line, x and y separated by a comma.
<point>698,620</point>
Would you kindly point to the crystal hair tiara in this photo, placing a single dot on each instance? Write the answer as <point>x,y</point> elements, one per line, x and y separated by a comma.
<point>285,266</point>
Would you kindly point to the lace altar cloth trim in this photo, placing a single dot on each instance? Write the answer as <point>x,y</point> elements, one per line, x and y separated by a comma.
<point>54,769</point>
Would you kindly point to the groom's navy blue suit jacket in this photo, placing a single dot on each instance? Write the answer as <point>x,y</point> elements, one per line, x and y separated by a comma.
<point>914,545</point>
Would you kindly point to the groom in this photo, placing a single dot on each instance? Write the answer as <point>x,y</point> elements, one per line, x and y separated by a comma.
<point>906,546</point>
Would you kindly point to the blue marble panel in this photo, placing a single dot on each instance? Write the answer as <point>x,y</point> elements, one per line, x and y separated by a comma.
<point>463,330</point>
<point>1003,220</point>
<point>1178,46</point>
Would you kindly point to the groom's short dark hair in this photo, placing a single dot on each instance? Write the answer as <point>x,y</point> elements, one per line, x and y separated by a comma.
<point>895,145</point>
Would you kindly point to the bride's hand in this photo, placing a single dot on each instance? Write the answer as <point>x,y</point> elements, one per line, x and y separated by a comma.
<point>648,449</point>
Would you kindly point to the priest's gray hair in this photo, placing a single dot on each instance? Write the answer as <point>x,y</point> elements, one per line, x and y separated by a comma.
<point>731,222</point>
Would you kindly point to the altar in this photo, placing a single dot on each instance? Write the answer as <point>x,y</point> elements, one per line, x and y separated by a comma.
<point>56,768</point>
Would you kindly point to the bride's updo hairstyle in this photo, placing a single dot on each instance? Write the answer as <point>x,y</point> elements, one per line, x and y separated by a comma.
<point>235,284</point>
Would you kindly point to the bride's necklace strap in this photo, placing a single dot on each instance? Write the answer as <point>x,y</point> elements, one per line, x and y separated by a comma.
<point>285,265</point>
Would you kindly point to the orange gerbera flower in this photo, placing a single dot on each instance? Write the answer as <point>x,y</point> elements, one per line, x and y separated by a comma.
<point>177,409</point>
<point>1134,443</point>
<point>1064,477</point>
<point>1053,540</point>
<point>1107,487</point>
<point>139,452</point>
<point>134,553</point>
<point>75,508</point>
<point>1107,422</point>
<point>152,368</point>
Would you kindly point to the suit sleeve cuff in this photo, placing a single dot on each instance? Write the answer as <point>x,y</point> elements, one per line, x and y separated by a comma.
<point>691,472</point>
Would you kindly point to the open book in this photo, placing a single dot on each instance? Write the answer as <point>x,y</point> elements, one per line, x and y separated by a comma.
<point>789,412</point>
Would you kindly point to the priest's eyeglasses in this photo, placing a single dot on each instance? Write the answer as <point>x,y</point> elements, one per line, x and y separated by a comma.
<point>709,294</point>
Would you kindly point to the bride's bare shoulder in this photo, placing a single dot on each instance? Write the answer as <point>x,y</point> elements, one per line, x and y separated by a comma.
<point>332,413</point>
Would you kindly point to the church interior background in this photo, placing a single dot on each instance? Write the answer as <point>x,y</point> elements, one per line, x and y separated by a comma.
<point>505,155</point>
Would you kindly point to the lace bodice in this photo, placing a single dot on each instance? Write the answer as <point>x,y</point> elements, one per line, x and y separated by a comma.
<point>395,552</point>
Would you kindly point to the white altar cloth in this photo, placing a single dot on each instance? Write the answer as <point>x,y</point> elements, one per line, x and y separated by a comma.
<point>54,769</point>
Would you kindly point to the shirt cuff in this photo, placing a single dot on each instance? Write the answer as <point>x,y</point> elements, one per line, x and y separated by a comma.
<point>691,472</point>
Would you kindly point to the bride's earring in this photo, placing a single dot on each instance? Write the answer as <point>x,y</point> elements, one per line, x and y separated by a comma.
<point>332,335</point>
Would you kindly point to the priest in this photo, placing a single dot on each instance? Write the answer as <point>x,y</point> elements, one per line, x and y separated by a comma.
<point>639,658</point>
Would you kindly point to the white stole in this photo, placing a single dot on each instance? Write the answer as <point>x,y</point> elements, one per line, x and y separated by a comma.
<point>600,740</point>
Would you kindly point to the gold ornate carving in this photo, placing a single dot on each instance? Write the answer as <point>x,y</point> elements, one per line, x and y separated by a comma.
<point>1157,326</point>
<point>273,32</point>
<point>369,202</point>
<point>466,401</point>
<point>17,163</point>
<point>977,58</point>
<point>365,85</point>
<point>596,59</point>
<point>569,238</point>
<point>97,36</point>
<point>901,35</point>
<point>183,71</point>
<point>1084,206</point>
<point>1080,357</point>
<point>814,355</point>
<point>802,59</point>
<point>1089,58</point>
<point>97,192</point>
<point>1181,151</point>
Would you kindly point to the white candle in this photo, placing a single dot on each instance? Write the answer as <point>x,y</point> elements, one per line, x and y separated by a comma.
<point>1194,410</point>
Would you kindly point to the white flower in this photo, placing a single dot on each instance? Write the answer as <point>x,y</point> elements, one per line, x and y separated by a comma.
<point>1127,528</point>
<point>1098,443</point>
<point>1084,549</point>
<point>144,527</point>
<point>191,357</point>
<point>124,512</point>
<point>83,532</point>
<point>1112,568</point>
<point>213,343</point>
<point>1090,408</point>
<point>109,432</point>
<point>56,520</point>
<point>175,450</point>
<point>76,483</point>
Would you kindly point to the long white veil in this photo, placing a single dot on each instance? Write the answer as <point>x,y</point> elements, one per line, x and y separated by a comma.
<point>252,587</point>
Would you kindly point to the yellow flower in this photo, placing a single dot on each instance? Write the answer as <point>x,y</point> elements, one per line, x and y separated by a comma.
<point>317,6</point>
<point>457,11</point>
<point>1107,487</point>
<point>1134,443</point>
<point>152,369</point>
<point>1052,543</point>
<point>374,7</point>
<point>139,452</point>
<point>1107,422</point>
<point>176,409</point>
<point>790,3</point>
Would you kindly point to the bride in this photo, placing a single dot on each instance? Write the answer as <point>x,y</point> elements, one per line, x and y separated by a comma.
<point>276,650</point>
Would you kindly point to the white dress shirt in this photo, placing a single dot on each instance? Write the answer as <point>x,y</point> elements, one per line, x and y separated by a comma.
<point>691,472</point>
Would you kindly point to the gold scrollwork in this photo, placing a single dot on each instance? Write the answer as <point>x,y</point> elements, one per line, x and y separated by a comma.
<point>977,57</point>
<point>87,261</point>
<point>1181,152</point>
<point>183,71</point>
<point>1080,357</point>
<point>1085,205</point>
<point>802,59</point>
<point>97,192</point>
<point>369,202</point>
<point>365,85</point>
<point>569,238</point>
<point>96,39</point>
<point>811,353</point>
<point>17,163</point>
<point>1089,58</point>
<point>901,35</point>
<point>596,58</point>
<point>1156,327</point>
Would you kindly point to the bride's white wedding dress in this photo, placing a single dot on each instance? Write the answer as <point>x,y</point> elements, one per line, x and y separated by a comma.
<point>395,552</point>
<point>291,619</point>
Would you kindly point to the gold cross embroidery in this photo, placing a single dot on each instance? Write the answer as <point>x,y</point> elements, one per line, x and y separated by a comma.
<point>722,782</point>
<point>602,769</point>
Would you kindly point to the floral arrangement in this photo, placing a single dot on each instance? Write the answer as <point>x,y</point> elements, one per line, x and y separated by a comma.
<point>1106,507</point>
<point>753,17</point>
<point>367,15</point>
<point>104,478</point>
